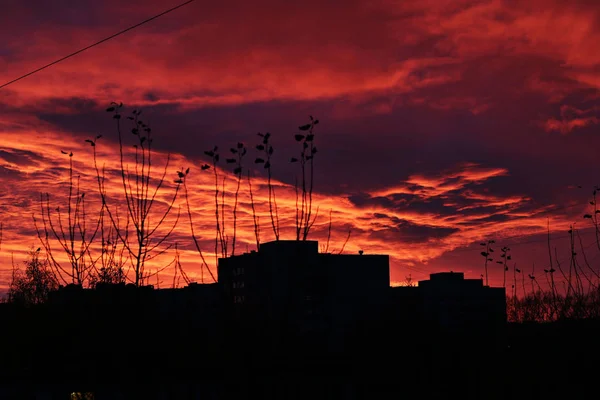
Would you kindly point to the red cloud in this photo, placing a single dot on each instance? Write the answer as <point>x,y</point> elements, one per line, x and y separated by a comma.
<point>567,126</point>
<point>232,53</point>
<point>571,118</point>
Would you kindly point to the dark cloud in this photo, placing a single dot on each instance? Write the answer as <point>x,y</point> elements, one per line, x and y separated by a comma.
<point>21,158</point>
<point>398,230</point>
<point>489,219</point>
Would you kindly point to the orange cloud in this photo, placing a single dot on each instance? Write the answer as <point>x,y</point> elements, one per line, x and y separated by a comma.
<point>376,227</point>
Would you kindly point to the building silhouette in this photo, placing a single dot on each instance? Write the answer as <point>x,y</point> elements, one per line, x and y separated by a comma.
<point>450,302</point>
<point>454,303</point>
<point>288,290</point>
<point>286,307</point>
<point>452,310</point>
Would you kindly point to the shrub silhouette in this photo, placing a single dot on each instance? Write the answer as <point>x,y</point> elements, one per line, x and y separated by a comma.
<point>32,285</point>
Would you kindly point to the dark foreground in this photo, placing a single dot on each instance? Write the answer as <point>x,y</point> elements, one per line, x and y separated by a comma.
<point>45,357</point>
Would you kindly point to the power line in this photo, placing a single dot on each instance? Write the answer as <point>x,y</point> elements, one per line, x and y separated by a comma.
<point>97,43</point>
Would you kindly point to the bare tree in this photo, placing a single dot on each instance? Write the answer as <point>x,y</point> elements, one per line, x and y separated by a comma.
<point>144,238</point>
<point>328,233</point>
<point>239,152</point>
<point>505,256</point>
<point>593,285</point>
<point>179,271</point>
<point>346,241</point>
<point>109,265</point>
<point>183,176</point>
<point>267,148</point>
<point>515,286</point>
<point>307,155</point>
<point>594,215</point>
<point>487,255</point>
<point>68,231</point>
<point>255,218</point>
<point>551,272</point>
<point>220,239</point>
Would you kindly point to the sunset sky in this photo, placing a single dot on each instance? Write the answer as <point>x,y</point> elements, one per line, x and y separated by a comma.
<point>442,123</point>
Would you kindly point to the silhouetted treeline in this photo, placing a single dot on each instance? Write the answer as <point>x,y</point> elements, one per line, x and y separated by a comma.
<point>544,306</point>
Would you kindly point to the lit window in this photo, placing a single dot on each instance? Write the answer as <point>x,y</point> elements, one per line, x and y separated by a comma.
<point>82,396</point>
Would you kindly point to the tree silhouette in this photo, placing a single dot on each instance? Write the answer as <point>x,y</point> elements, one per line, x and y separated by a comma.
<point>487,255</point>
<point>33,285</point>
<point>183,176</point>
<point>267,149</point>
<point>307,156</point>
<point>69,231</point>
<point>220,239</point>
<point>112,274</point>
<point>239,152</point>
<point>141,238</point>
<point>255,218</point>
<point>505,256</point>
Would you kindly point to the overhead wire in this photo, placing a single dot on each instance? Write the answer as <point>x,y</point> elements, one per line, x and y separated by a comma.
<point>95,44</point>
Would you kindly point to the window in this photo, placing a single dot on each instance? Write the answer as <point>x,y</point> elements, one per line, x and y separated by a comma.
<point>82,396</point>
<point>238,299</point>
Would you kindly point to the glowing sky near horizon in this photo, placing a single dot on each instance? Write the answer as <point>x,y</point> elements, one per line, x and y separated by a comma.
<point>442,123</point>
